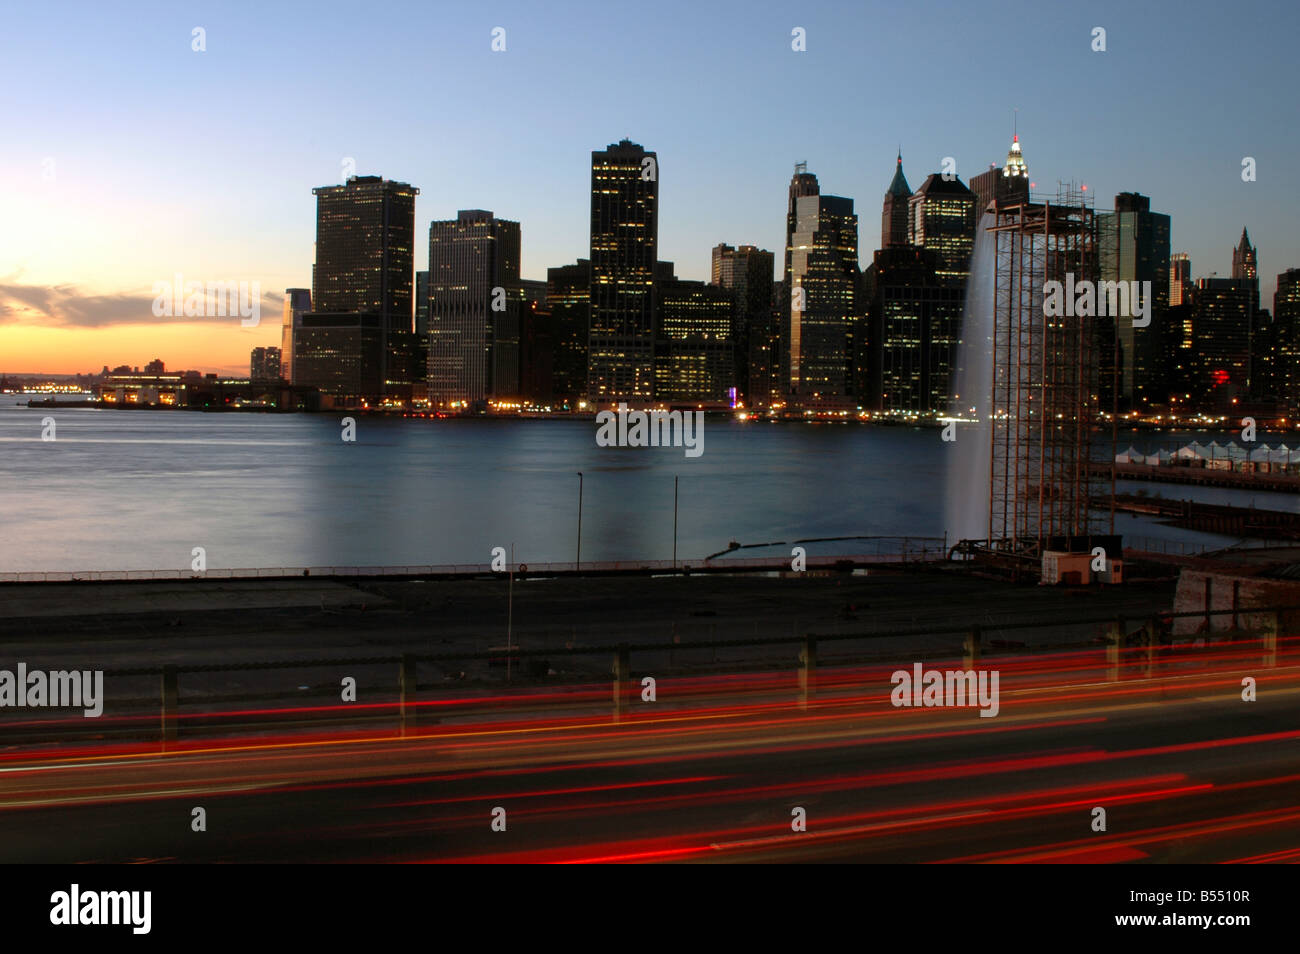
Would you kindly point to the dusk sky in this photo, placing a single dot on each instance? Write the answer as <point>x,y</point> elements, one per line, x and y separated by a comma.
<point>129,157</point>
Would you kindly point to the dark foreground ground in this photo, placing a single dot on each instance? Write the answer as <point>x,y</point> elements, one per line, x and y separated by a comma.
<point>714,769</point>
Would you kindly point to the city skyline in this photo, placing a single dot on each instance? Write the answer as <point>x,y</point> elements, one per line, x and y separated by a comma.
<point>722,176</point>
<point>275,302</point>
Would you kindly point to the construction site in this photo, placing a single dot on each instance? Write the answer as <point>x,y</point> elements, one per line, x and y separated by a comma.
<point>1043,411</point>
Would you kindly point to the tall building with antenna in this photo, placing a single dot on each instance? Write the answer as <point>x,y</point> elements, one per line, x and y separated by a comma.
<point>802,183</point>
<point>1008,181</point>
<point>821,278</point>
<point>893,216</point>
<point>1245,259</point>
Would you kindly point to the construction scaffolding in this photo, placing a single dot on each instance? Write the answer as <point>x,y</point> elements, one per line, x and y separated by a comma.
<point>1044,383</point>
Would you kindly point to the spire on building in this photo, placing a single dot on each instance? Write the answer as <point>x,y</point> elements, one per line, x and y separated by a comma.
<point>893,222</point>
<point>1244,258</point>
<point>899,186</point>
<point>1015,161</point>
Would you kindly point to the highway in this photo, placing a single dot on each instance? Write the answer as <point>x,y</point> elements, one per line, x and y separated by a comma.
<point>714,771</point>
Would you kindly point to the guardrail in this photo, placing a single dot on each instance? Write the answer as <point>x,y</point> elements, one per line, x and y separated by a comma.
<point>1145,649</point>
<point>908,550</point>
<point>904,550</point>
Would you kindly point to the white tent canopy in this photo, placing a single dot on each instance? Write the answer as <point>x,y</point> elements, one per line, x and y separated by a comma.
<point>1282,454</point>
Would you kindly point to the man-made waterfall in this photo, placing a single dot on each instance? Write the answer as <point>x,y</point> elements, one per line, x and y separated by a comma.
<point>966,507</point>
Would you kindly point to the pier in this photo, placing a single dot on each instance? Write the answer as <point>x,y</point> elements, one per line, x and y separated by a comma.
<point>1200,476</point>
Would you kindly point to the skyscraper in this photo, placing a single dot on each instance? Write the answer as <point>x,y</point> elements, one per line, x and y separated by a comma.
<point>818,344</point>
<point>365,238</point>
<point>1179,365</point>
<point>1245,269</point>
<point>1221,324</point>
<point>1180,280</point>
<point>536,345</point>
<point>802,183</point>
<point>475,307</point>
<point>344,356</point>
<point>264,365</point>
<point>1134,247</point>
<point>747,273</point>
<point>422,302</point>
<point>297,302</point>
<point>534,293</point>
<point>893,215</point>
<point>1180,369</point>
<point>1015,167</point>
<point>1286,315</point>
<point>361,293</point>
<point>695,356</point>
<point>624,248</point>
<point>941,217</point>
<point>915,322</point>
<point>722,262</point>
<point>568,298</point>
<point>1245,259</point>
<point>1002,183</point>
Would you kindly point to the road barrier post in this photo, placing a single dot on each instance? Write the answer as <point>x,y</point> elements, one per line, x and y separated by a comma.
<point>622,676</point>
<point>1116,639</point>
<point>406,693</point>
<point>1269,637</point>
<point>807,671</point>
<point>1153,645</point>
<point>971,648</point>
<point>170,701</point>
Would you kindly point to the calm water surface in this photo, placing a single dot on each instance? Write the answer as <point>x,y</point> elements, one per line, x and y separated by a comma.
<point>138,489</point>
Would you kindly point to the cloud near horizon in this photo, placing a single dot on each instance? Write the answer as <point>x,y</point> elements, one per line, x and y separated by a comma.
<point>68,306</point>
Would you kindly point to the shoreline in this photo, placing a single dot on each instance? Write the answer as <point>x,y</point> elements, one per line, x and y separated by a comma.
<point>808,416</point>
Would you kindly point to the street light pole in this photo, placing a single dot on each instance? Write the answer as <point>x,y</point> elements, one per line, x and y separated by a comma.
<point>578,562</point>
<point>510,613</point>
<point>674,523</point>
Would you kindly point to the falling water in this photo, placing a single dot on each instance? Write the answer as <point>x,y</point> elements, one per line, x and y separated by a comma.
<point>966,505</point>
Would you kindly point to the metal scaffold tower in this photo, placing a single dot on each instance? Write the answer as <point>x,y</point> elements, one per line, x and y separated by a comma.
<point>1044,394</point>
